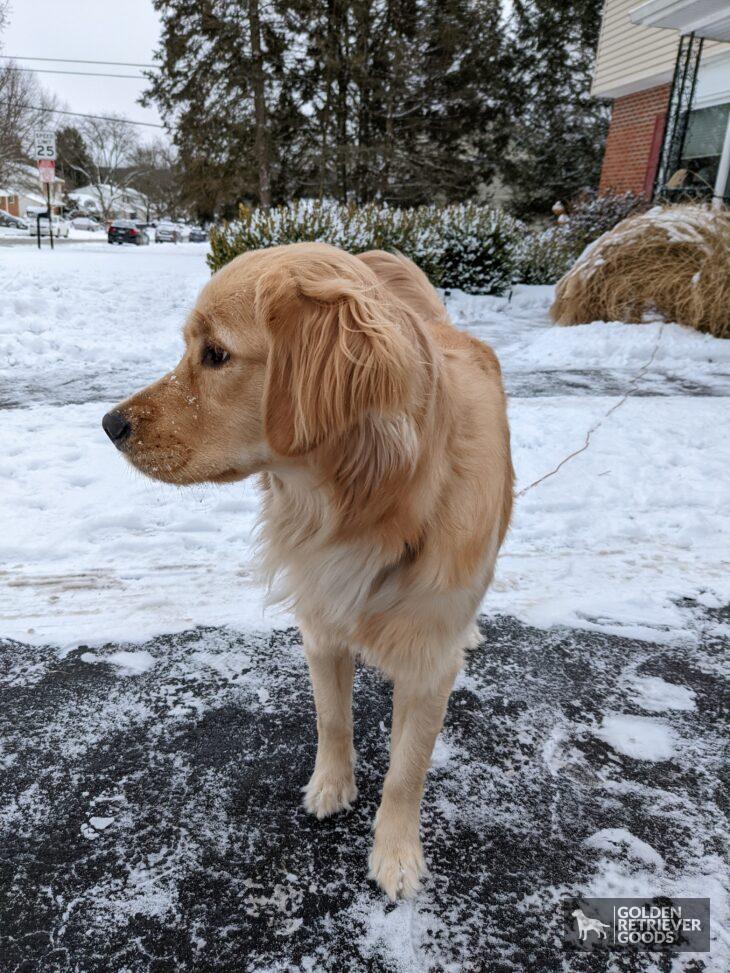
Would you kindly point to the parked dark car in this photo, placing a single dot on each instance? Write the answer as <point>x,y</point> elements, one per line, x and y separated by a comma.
<point>198,235</point>
<point>127,231</point>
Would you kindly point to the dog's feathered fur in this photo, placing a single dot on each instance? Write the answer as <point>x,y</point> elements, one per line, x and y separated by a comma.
<point>381,439</point>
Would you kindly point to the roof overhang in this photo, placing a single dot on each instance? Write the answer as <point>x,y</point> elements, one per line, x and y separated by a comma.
<point>704,18</point>
<point>631,85</point>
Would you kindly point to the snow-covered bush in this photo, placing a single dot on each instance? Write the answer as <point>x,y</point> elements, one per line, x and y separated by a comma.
<point>478,248</point>
<point>545,256</point>
<point>591,215</point>
<point>671,261</point>
<point>548,254</point>
<point>468,246</point>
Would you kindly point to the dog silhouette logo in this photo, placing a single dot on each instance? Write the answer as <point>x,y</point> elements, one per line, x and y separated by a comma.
<point>586,924</point>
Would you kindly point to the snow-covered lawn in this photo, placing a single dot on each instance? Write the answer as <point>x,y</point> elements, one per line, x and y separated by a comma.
<point>92,551</point>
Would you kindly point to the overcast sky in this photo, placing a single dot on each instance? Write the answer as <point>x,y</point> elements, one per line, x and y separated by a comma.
<point>109,30</point>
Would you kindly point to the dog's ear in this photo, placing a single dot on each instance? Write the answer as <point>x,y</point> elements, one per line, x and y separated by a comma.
<point>338,349</point>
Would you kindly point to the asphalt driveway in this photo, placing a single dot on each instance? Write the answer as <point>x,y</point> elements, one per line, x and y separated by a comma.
<point>150,815</point>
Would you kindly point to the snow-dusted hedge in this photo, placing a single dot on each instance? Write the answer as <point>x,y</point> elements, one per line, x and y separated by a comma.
<point>546,256</point>
<point>469,246</point>
<point>549,254</point>
<point>474,247</point>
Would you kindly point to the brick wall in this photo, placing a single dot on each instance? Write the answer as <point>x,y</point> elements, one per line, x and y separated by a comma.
<point>634,141</point>
<point>10,204</point>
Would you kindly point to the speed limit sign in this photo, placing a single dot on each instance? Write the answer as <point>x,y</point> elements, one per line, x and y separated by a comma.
<point>45,145</point>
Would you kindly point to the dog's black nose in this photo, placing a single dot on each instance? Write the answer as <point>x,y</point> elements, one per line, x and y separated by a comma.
<point>116,426</point>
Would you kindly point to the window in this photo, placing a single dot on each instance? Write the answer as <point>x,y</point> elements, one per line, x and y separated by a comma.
<point>702,149</point>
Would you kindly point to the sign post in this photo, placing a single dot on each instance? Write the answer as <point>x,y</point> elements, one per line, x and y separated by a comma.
<point>45,153</point>
<point>50,215</point>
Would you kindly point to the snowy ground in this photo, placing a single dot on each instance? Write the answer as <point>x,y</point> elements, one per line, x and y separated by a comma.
<point>93,551</point>
<point>603,734</point>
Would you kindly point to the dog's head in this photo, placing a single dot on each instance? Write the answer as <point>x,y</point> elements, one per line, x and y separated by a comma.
<point>286,349</point>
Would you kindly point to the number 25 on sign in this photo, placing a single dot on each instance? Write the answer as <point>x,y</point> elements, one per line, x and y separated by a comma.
<point>45,145</point>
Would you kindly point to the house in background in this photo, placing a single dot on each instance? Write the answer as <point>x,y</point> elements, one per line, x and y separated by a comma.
<point>665,65</point>
<point>26,192</point>
<point>118,202</point>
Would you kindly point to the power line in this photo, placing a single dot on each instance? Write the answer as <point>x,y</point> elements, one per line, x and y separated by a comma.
<point>85,74</point>
<point>78,60</point>
<point>101,118</point>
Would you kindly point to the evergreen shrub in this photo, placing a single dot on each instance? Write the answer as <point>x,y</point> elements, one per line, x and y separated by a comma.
<point>549,254</point>
<point>467,245</point>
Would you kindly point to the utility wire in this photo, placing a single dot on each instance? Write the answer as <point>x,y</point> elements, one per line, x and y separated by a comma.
<point>101,118</point>
<point>85,74</point>
<point>77,60</point>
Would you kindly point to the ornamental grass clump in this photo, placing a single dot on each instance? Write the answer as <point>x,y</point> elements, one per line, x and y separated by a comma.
<point>670,261</point>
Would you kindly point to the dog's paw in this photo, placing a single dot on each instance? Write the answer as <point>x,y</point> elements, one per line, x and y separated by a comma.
<point>326,794</point>
<point>396,864</point>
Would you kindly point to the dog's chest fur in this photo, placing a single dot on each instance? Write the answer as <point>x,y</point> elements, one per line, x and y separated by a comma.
<point>304,566</point>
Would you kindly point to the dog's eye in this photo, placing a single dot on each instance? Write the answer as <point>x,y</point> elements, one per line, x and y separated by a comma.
<point>214,357</point>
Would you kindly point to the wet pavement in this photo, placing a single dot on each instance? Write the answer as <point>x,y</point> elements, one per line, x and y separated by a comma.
<point>75,388</point>
<point>150,816</point>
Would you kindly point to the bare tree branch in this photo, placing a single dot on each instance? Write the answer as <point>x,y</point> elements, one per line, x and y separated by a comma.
<point>111,144</point>
<point>18,123</point>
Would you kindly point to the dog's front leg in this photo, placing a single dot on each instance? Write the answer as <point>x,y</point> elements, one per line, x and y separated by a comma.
<point>396,860</point>
<point>332,785</point>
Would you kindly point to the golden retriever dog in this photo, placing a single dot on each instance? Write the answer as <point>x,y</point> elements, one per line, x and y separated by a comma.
<point>380,437</point>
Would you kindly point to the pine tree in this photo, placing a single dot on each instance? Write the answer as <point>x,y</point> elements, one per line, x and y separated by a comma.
<point>461,98</point>
<point>357,99</point>
<point>558,130</point>
<point>73,159</point>
<point>214,80</point>
<point>401,100</point>
<point>404,95</point>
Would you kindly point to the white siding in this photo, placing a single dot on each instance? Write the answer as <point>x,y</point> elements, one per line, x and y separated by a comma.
<point>630,57</point>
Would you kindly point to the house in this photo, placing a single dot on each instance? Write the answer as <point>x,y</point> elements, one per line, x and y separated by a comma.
<point>665,66</point>
<point>119,202</point>
<point>26,192</point>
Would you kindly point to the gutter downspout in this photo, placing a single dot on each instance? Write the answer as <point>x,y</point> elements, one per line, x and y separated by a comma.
<point>723,170</point>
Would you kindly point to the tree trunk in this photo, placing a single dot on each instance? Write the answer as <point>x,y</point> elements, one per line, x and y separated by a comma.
<point>363,146</point>
<point>328,65</point>
<point>342,146</point>
<point>340,73</point>
<point>259,101</point>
